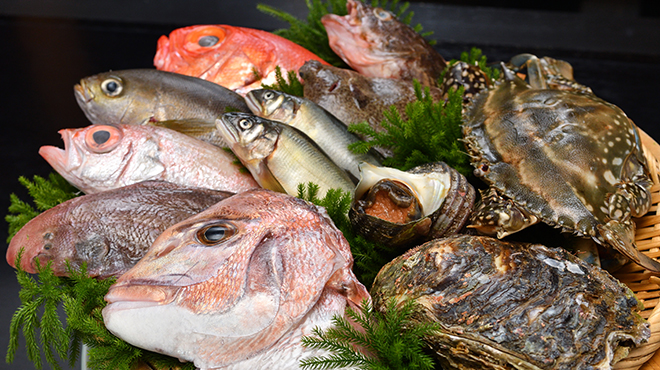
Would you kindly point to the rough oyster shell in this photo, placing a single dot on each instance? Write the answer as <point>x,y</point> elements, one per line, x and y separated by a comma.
<point>513,305</point>
<point>428,201</point>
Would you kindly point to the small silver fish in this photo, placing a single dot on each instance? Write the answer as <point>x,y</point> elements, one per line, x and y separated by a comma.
<point>150,97</point>
<point>280,156</point>
<point>325,129</point>
<point>238,285</point>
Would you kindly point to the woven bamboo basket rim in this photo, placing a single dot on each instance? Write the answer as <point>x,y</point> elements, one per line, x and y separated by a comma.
<point>646,285</point>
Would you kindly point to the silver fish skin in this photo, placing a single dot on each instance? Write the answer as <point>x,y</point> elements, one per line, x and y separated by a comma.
<point>280,156</point>
<point>236,286</point>
<point>109,231</point>
<point>326,130</point>
<point>104,157</point>
<point>148,96</point>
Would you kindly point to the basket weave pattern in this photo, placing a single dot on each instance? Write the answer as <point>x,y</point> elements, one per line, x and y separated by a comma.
<point>645,285</point>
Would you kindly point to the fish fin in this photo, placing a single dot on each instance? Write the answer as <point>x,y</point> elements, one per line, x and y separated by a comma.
<point>191,127</point>
<point>266,179</point>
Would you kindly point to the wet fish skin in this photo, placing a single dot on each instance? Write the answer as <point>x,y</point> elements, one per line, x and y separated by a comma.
<point>103,157</point>
<point>236,286</point>
<point>109,231</point>
<point>229,55</point>
<point>354,98</point>
<point>326,130</point>
<point>280,156</point>
<point>148,96</point>
<point>375,43</point>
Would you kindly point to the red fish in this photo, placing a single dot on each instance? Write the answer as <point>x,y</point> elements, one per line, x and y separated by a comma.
<point>236,286</point>
<point>229,56</point>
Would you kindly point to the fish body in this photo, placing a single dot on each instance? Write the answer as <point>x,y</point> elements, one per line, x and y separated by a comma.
<point>280,156</point>
<point>229,56</point>
<point>148,96</point>
<point>109,231</point>
<point>236,286</point>
<point>101,157</point>
<point>375,43</point>
<point>354,98</point>
<point>326,130</point>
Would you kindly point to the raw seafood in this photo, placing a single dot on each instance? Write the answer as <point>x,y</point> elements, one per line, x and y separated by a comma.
<point>238,58</point>
<point>102,157</point>
<point>109,231</point>
<point>236,286</point>
<point>514,306</point>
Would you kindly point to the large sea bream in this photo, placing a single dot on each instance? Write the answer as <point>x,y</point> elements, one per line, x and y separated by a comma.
<point>236,286</point>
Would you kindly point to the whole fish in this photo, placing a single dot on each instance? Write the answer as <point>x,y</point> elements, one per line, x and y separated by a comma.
<point>236,286</point>
<point>280,156</point>
<point>326,130</point>
<point>240,59</point>
<point>110,231</point>
<point>375,43</point>
<point>354,98</point>
<point>101,157</point>
<point>148,96</point>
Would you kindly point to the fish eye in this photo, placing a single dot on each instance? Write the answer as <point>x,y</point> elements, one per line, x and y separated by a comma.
<point>245,124</point>
<point>269,95</point>
<point>208,41</point>
<point>382,14</point>
<point>214,234</point>
<point>102,138</point>
<point>112,86</point>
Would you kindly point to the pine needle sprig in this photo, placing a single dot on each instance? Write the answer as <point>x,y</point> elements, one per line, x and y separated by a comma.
<point>46,193</point>
<point>291,85</point>
<point>391,339</point>
<point>475,56</point>
<point>430,133</point>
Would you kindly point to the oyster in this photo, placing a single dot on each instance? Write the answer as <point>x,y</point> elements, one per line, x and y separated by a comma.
<point>395,208</point>
<point>565,158</point>
<point>505,305</point>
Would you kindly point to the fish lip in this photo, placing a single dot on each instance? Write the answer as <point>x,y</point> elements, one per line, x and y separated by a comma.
<point>226,130</point>
<point>59,159</point>
<point>253,103</point>
<point>144,295</point>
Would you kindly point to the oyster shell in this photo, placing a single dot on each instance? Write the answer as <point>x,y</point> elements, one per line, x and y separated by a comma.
<point>395,208</point>
<point>508,305</point>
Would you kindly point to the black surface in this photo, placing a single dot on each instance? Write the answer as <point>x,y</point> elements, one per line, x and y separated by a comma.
<point>42,58</point>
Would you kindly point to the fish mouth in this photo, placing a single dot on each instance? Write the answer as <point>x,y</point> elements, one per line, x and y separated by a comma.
<point>139,295</point>
<point>59,159</point>
<point>226,130</point>
<point>85,98</point>
<point>253,102</point>
<point>162,53</point>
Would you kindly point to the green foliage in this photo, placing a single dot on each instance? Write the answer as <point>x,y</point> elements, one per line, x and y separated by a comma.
<point>311,33</point>
<point>292,87</point>
<point>391,338</point>
<point>369,257</point>
<point>431,133</point>
<point>46,193</point>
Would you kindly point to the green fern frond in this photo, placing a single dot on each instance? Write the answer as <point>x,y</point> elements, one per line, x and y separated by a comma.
<point>392,339</point>
<point>430,133</point>
<point>291,85</point>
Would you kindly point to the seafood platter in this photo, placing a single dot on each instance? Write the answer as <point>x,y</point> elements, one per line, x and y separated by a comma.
<point>513,211</point>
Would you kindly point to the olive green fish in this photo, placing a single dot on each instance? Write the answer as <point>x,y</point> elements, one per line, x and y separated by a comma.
<point>280,156</point>
<point>325,129</point>
<point>186,104</point>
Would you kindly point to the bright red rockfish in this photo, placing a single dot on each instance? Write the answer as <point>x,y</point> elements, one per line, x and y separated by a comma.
<point>229,56</point>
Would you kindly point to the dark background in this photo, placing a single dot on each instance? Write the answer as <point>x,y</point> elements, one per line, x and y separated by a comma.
<point>47,46</point>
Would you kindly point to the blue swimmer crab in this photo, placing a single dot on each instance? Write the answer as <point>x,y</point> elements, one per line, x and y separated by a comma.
<point>563,157</point>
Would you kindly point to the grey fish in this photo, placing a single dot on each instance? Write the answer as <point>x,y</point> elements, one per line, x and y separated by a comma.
<point>325,129</point>
<point>280,156</point>
<point>147,96</point>
<point>111,230</point>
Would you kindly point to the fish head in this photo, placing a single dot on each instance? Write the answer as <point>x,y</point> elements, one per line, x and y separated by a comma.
<point>252,138</point>
<point>194,50</point>
<point>95,158</point>
<point>272,104</point>
<point>326,85</point>
<point>232,281</point>
<point>117,97</point>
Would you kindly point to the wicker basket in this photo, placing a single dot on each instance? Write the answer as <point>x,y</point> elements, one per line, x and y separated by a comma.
<point>645,285</point>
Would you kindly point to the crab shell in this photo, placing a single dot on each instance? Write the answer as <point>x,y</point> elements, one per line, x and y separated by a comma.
<point>568,159</point>
<point>441,197</point>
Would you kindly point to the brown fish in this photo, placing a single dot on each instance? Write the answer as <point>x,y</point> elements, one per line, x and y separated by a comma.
<point>100,157</point>
<point>148,96</point>
<point>354,98</point>
<point>110,231</point>
<point>236,286</point>
<point>375,43</point>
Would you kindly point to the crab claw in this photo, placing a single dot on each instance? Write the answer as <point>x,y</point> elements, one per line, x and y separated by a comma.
<point>620,235</point>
